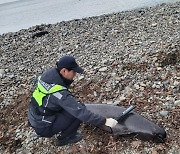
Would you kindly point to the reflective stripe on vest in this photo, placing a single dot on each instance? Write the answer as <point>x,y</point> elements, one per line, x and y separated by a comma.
<point>44,89</point>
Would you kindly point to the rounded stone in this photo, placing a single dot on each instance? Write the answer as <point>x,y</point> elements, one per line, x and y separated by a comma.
<point>116,102</point>
<point>103,69</point>
<point>177,103</point>
<point>176,83</point>
<point>164,113</point>
<point>2,72</point>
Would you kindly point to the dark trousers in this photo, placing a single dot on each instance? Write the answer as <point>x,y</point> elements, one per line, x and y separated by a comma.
<point>64,123</point>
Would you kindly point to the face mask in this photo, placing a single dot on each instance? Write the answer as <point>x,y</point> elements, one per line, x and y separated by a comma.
<point>66,81</point>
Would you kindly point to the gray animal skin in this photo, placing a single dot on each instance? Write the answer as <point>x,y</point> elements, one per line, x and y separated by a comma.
<point>132,125</point>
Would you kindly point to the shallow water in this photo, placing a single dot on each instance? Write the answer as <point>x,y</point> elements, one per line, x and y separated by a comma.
<point>19,14</point>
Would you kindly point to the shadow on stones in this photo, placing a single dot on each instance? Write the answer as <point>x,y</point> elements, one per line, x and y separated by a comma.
<point>40,34</point>
<point>170,59</point>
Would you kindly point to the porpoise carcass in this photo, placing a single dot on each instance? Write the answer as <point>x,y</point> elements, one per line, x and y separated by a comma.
<point>132,124</point>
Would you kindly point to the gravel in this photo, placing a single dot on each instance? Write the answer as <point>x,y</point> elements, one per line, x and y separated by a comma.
<point>129,57</point>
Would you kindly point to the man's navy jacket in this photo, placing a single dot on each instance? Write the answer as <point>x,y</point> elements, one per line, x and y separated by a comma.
<point>54,103</point>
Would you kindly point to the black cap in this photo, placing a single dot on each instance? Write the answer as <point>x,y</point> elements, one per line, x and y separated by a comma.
<point>69,62</point>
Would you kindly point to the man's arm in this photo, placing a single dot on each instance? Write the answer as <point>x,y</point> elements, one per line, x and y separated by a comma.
<point>67,101</point>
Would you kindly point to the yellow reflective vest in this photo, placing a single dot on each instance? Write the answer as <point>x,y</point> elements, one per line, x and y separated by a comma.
<point>44,89</point>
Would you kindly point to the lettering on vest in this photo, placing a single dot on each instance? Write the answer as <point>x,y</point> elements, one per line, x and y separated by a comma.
<point>45,85</point>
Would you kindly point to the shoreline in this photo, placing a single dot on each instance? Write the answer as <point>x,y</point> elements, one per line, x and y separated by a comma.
<point>20,15</point>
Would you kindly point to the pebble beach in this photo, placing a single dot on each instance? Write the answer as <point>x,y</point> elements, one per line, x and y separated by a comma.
<point>128,57</point>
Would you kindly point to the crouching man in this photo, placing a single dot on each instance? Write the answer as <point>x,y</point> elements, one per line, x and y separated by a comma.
<point>53,108</point>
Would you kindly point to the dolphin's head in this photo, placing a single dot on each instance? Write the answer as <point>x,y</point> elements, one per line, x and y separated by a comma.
<point>152,132</point>
<point>159,136</point>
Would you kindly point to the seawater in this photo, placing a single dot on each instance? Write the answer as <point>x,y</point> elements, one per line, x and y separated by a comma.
<point>20,14</point>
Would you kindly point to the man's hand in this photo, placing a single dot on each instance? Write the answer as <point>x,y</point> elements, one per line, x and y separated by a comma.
<point>111,122</point>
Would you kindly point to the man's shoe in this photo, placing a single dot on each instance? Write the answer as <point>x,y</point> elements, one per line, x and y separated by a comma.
<point>69,140</point>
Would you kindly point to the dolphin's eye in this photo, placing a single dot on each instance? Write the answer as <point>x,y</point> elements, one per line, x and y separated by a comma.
<point>159,137</point>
